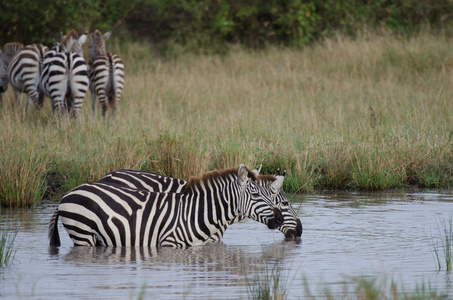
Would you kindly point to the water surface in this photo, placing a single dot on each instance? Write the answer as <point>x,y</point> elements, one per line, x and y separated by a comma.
<point>346,235</point>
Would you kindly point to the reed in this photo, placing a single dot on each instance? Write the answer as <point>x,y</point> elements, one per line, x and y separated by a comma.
<point>445,245</point>
<point>369,113</point>
<point>7,238</point>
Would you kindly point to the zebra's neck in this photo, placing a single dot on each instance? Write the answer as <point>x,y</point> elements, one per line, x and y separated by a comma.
<point>207,206</point>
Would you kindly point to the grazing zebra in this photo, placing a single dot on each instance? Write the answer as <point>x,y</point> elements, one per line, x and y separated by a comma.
<point>106,74</point>
<point>24,71</point>
<point>291,227</point>
<point>9,50</point>
<point>65,74</point>
<point>104,213</point>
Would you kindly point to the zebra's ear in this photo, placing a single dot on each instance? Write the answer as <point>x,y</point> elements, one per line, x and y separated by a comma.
<point>106,35</point>
<point>83,38</point>
<point>257,171</point>
<point>243,174</point>
<point>278,183</point>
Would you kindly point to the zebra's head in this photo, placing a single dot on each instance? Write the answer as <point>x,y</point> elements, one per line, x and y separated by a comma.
<point>97,44</point>
<point>255,201</point>
<point>292,226</point>
<point>73,43</point>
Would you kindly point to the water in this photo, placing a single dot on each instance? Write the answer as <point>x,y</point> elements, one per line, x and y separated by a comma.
<point>382,235</point>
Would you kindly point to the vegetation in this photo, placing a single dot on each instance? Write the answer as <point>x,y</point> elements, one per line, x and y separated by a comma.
<point>212,25</point>
<point>365,288</point>
<point>445,246</point>
<point>7,238</point>
<point>369,113</point>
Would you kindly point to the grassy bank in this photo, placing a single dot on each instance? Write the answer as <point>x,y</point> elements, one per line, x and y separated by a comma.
<point>370,114</point>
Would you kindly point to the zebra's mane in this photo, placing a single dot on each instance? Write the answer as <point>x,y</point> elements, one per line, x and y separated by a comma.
<point>266,178</point>
<point>196,182</point>
<point>12,48</point>
<point>70,38</point>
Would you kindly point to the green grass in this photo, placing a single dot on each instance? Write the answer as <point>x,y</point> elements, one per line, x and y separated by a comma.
<point>7,238</point>
<point>370,288</point>
<point>371,113</point>
<point>442,246</point>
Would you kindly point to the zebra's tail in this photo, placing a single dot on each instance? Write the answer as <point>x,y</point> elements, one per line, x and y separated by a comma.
<point>53,230</point>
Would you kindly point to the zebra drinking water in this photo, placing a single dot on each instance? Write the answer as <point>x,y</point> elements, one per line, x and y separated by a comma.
<point>104,213</point>
<point>291,228</point>
<point>65,74</point>
<point>106,74</point>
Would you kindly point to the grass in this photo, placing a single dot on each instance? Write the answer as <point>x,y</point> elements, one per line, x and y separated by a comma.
<point>443,250</point>
<point>7,238</point>
<point>369,288</point>
<point>370,113</point>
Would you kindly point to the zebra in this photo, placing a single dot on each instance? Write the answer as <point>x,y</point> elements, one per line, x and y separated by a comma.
<point>106,74</point>
<point>24,71</point>
<point>109,214</point>
<point>65,74</point>
<point>291,228</point>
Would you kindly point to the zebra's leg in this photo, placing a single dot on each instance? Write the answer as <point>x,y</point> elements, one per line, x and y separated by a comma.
<point>18,95</point>
<point>77,105</point>
<point>93,101</point>
<point>103,100</point>
<point>40,99</point>
<point>32,98</point>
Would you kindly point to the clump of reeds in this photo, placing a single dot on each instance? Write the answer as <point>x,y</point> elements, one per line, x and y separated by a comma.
<point>271,282</point>
<point>7,238</point>
<point>445,245</point>
<point>369,288</point>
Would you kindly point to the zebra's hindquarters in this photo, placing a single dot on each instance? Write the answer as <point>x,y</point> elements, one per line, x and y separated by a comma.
<point>107,82</point>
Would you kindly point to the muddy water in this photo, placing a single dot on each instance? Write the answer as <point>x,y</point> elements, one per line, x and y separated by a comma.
<point>383,235</point>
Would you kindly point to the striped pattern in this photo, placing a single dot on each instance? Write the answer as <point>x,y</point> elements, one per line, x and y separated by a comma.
<point>24,72</point>
<point>104,213</point>
<point>291,227</point>
<point>65,76</point>
<point>106,75</point>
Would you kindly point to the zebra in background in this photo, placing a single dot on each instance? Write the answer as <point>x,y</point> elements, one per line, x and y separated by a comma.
<point>106,74</point>
<point>153,182</point>
<point>9,50</point>
<point>65,74</point>
<point>108,214</point>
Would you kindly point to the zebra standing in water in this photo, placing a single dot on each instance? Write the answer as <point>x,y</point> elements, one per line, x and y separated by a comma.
<point>65,74</point>
<point>106,74</point>
<point>9,50</point>
<point>291,227</point>
<point>104,213</point>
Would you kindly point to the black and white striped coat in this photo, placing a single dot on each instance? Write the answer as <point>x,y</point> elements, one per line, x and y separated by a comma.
<point>9,51</point>
<point>65,75</point>
<point>106,74</point>
<point>103,213</point>
<point>291,227</point>
<point>24,72</point>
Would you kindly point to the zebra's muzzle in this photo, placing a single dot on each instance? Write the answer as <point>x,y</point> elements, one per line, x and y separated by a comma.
<point>295,233</point>
<point>277,220</point>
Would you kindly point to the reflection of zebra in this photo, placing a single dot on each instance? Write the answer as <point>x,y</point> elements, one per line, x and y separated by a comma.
<point>65,74</point>
<point>24,71</point>
<point>291,227</point>
<point>102,213</point>
<point>106,74</point>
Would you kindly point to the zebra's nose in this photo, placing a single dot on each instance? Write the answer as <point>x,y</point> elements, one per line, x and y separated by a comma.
<point>299,228</point>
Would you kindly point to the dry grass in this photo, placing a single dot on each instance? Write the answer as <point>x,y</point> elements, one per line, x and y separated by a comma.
<point>371,113</point>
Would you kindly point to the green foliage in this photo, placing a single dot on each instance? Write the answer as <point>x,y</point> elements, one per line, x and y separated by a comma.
<point>31,21</point>
<point>7,237</point>
<point>211,25</point>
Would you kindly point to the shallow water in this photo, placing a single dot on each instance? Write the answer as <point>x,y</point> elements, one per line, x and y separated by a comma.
<point>346,235</point>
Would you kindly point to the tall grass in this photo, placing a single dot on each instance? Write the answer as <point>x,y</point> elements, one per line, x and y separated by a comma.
<point>369,113</point>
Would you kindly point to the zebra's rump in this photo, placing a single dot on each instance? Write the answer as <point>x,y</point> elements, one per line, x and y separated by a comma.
<point>25,68</point>
<point>107,73</point>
